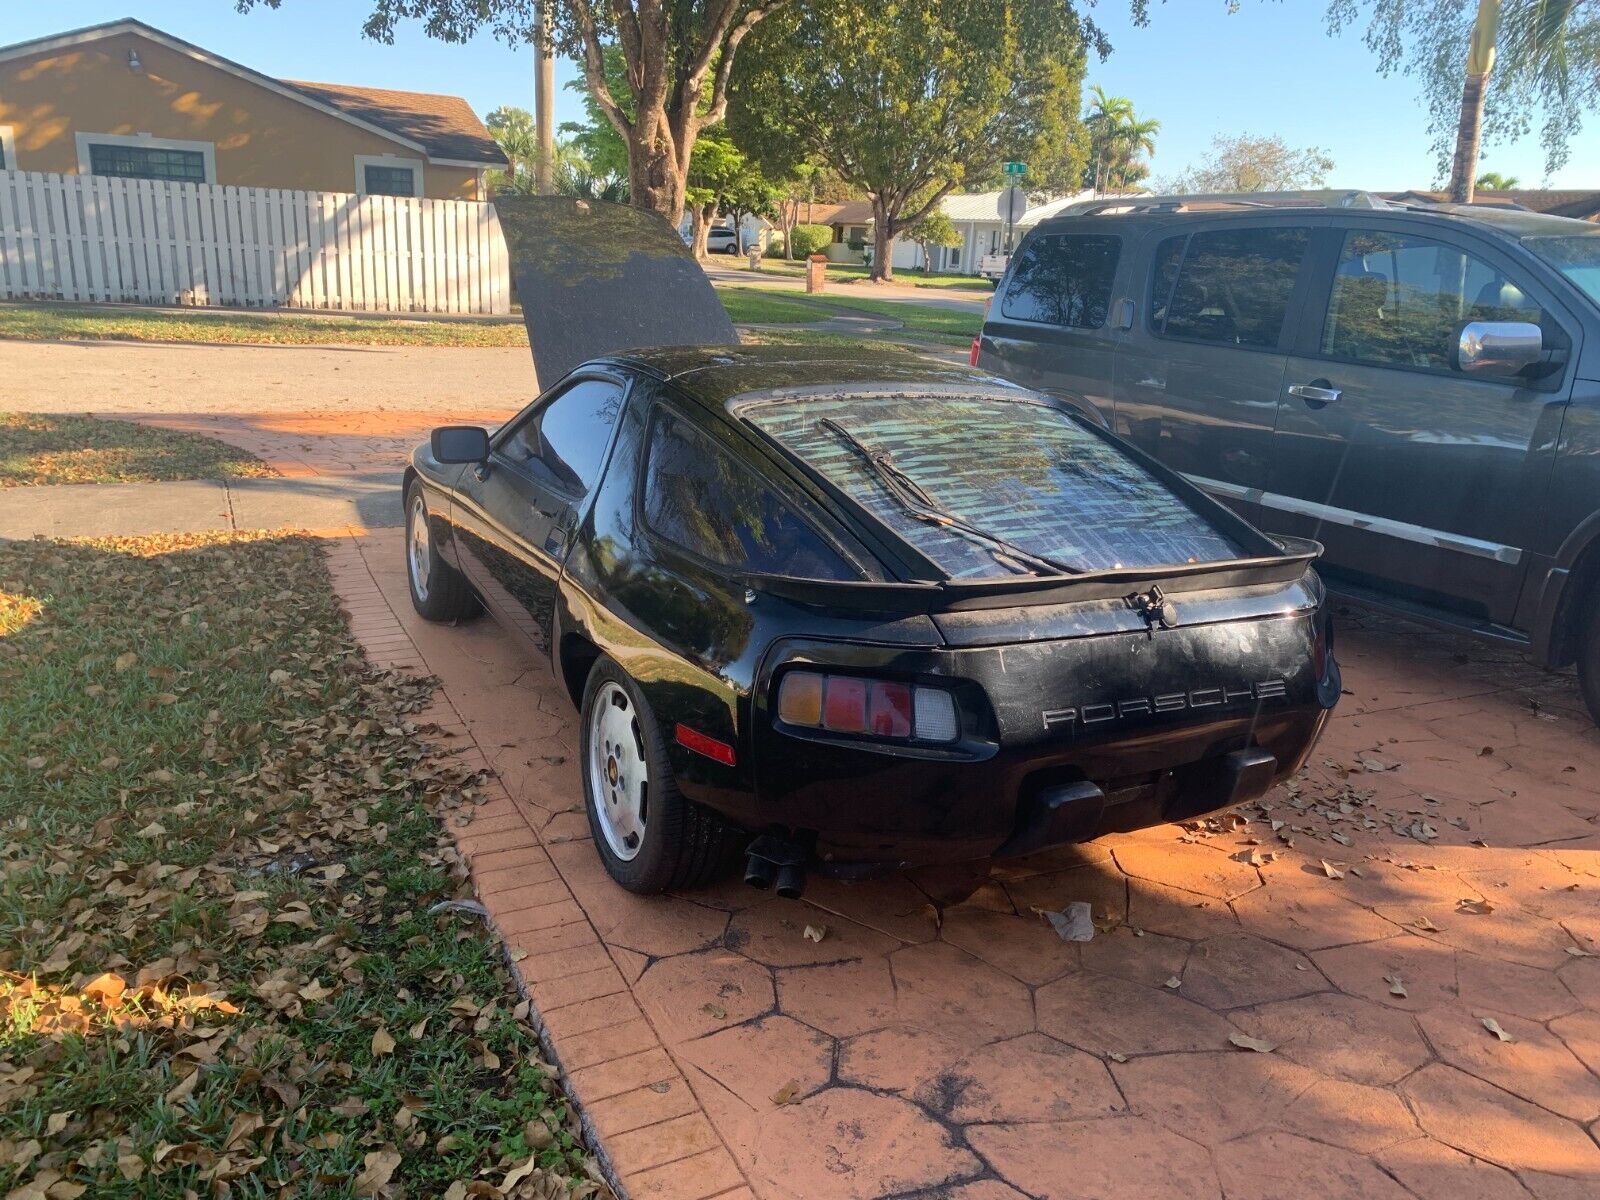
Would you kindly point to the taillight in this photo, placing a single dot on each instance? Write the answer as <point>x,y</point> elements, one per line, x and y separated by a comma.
<point>972,354</point>
<point>873,707</point>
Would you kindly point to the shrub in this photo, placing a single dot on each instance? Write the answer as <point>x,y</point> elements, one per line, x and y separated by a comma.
<point>775,244</point>
<point>811,239</point>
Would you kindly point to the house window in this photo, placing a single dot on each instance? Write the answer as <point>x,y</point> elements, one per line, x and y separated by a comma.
<point>384,175</point>
<point>143,157</point>
<point>8,149</point>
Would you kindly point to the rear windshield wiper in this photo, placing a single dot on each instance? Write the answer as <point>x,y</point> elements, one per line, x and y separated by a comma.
<point>916,501</point>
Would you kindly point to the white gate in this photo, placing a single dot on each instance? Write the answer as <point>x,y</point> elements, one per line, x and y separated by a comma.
<point>98,238</point>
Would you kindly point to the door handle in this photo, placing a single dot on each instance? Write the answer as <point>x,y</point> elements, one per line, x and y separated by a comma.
<point>1317,393</point>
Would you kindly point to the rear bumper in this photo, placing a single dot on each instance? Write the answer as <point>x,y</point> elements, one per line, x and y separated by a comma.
<point>1026,776</point>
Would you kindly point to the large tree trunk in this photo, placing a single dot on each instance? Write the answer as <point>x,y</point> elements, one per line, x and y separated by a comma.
<point>883,233</point>
<point>699,225</point>
<point>1469,128</point>
<point>1469,137</point>
<point>656,181</point>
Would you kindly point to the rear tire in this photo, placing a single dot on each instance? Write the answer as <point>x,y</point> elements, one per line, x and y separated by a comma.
<point>1589,657</point>
<point>648,836</point>
<point>439,592</point>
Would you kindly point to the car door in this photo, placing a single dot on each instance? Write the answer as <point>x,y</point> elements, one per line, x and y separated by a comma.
<point>1197,379</point>
<point>1422,482</point>
<point>516,514</point>
<point>1048,327</point>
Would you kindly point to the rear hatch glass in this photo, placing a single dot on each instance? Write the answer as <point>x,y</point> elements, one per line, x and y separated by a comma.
<point>1030,490</point>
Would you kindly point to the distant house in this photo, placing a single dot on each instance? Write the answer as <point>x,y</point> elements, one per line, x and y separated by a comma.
<point>126,99</point>
<point>976,216</point>
<point>1578,204</point>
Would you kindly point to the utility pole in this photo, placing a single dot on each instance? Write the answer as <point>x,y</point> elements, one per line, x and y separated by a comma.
<point>544,100</point>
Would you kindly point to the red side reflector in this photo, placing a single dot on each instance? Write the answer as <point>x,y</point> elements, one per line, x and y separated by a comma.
<point>972,354</point>
<point>700,743</point>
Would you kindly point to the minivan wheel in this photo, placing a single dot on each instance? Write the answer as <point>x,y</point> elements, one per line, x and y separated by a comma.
<point>648,836</point>
<point>1589,658</point>
<point>439,592</point>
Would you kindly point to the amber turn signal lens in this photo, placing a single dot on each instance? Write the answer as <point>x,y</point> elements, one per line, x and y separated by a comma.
<point>800,700</point>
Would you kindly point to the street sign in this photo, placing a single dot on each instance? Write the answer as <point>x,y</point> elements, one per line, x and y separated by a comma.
<point>1016,168</point>
<point>1013,202</point>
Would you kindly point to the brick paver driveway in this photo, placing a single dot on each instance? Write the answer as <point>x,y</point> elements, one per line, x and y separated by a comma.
<point>1436,869</point>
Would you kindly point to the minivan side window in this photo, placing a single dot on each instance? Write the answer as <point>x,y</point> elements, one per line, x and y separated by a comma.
<point>1400,300</point>
<point>1231,285</point>
<point>1063,279</point>
<point>565,441</point>
<point>701,499</point>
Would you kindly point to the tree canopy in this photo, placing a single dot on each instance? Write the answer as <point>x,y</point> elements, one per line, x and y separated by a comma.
<point>1546,64</point>
<point>1248,163</point>
<point>907,100</point>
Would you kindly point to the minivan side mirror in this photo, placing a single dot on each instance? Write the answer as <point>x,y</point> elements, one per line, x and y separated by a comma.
<point>459,444</point>
<point>1498,349</point>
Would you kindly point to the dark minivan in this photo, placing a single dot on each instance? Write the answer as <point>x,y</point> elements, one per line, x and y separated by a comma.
<point>1415,386</point>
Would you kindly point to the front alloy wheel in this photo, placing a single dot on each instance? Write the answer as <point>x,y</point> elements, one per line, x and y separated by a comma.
<point>619,776</point>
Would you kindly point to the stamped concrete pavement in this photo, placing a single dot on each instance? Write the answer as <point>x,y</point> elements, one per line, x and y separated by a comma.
<point>1412,928</point>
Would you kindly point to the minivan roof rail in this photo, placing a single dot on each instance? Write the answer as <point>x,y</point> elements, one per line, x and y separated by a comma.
<point>1327,198</point>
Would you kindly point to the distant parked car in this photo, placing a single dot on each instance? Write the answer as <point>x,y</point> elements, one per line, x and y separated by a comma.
<point>1416,386</point>
<point>722,239</point>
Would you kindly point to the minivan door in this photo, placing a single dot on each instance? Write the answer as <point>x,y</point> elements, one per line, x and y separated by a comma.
<point>1422,482</point>
<point>1197,379</point>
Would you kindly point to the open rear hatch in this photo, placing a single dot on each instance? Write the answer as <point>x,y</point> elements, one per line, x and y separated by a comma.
<point>596,278</point>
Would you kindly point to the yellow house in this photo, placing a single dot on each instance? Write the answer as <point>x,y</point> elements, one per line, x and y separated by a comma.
<point>126,99</point>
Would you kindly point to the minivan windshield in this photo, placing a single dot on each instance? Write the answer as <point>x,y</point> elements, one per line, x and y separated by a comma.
<point>1576,257</point>
<point>987,487</point>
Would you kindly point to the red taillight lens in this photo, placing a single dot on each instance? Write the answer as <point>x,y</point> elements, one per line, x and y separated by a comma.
<point>878,707</point>
<point>844,710</point>
<point>891,710</point>
<point>972,354</point>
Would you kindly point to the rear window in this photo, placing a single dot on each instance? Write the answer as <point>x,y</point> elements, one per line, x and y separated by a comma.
<point>1230,285</point>
<point>1063,279</point>
<point>1020,471</point>
<point>702,500</point>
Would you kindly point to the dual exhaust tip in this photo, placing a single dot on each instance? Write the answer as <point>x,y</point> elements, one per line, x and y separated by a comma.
<point>777,863</point>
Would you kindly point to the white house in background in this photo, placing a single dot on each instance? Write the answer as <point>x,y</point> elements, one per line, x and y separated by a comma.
<point>977,219</point>
<point>753,230</point>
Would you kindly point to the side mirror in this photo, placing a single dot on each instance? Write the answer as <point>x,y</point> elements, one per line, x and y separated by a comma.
<point>460,444</point>
<point>1498,349</point>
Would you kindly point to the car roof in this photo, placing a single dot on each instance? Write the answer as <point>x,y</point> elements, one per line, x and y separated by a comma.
<point>1507,222</point>
<point>715,375</point>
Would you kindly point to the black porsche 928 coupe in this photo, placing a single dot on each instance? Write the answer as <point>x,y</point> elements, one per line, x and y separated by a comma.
<point>845,615</point>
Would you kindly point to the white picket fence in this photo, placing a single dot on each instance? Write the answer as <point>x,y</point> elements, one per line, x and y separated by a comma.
<point>144,241</point>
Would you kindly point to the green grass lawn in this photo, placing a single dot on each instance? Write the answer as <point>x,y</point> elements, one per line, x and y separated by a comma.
<point>63,322</point>
<point>770,306</point>
<point>220,971</point>
<point>855,272</point>
<point>37,448</point>
<point>756,306</point>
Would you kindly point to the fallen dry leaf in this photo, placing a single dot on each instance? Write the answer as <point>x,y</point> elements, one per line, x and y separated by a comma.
<point>715,1010</point>
<point>1245,1042</point>
<point>1478,908</point>
<point>1493,1027</point>
<point>787,1094</point>
<point>382,1042</point>
<point>1426,925</point>
<point>815,933</point>
<point>377,1168</point>
<point>1396,986</point>
<point>1332,870</point>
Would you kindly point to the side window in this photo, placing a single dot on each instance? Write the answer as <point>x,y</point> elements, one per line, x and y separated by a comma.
<point>1163,274</point>
<point>1400,300</point>
<point>1234,285</point>
<point>1063,279</point>
<point>565,441</point>
<point>701,499</point>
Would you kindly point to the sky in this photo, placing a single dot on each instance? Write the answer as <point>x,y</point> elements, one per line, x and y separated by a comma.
<point>1269,68</point>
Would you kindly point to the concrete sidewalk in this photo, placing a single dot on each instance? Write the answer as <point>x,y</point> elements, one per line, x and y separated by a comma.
<point>347,502</point>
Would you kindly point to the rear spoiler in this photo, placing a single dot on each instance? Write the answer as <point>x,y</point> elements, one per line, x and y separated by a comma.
<point>919,597</point>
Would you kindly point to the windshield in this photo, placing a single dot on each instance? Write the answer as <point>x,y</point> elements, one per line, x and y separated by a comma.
<point>1578,258</point>
<point>1016,481</point>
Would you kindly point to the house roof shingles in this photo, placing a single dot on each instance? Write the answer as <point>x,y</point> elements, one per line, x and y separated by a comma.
<point>1582,204</point>
<point>445,126</point>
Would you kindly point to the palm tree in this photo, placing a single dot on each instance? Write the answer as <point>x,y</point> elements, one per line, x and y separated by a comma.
<point>1531,42</point>
<point>1117,138</point>
<point>1493,181</point>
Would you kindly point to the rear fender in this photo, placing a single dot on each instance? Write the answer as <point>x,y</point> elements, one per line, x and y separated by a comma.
<point>1565,594</point>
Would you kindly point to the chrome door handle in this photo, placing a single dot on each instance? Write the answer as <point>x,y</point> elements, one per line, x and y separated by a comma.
<point>1315,393</point>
